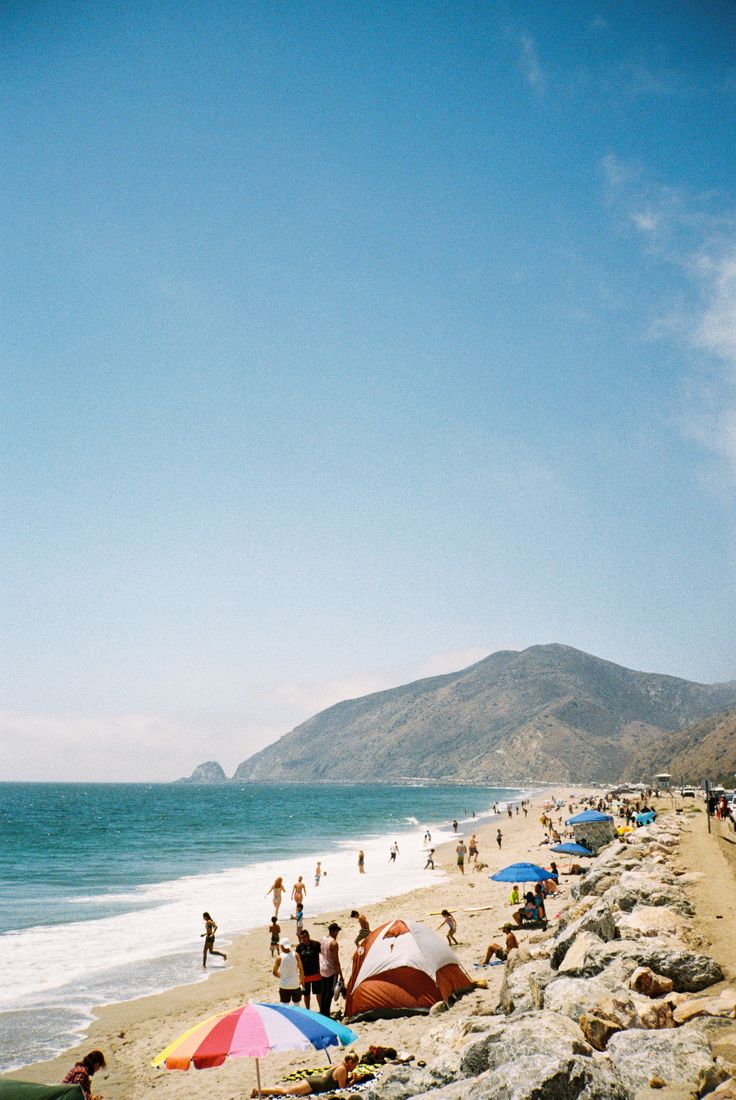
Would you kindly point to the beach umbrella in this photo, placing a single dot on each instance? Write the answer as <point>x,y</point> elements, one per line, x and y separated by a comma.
<point>253,1031</point>
<point>570,849</point>
<point>587,817</point>
<point>521,872</point>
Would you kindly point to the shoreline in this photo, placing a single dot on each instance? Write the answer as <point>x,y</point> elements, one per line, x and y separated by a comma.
<point>124,1029</point>
<point>150,950</point>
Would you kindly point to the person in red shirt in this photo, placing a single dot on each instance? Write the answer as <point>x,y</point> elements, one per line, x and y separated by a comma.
<point>82,1073</point>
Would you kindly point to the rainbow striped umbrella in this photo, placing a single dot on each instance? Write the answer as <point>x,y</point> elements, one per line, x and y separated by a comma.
<point>253,1030</point>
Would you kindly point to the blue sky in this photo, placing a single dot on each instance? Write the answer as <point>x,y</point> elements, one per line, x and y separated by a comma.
<point>347,343</point>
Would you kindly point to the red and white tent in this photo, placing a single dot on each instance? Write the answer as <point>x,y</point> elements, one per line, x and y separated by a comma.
<point>402,968</point>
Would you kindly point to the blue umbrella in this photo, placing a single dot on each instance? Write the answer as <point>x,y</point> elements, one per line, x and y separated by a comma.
<point>588,816</point>
<point>521,872</point>
<point>570,849</point>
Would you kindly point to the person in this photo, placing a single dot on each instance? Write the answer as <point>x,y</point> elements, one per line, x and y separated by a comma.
<point>473,847</point>
<point>539,901</point>
<point>509,811</point>
<point>329,967</point>
<point>210,928</point>
<point>451,923</point>
<point>317,872</point>
<point>393,852</point>
<point>337,1077</point>
<point>514,896</point>
<point>361,862</point>
<point>554,873</point>
<point>275,930</point>
<point>528,911</point>
<point>82,1073</point>
<point>278,890</point>
<point>288,970</point>
<point>499,951</point>
<point>298,892</point>
<point>299,916</point>
<point>460,851</point>
<point>364,930</point>
<point>499,838</point>
<point>454,826</point>
<point>308,951</point>
<point>430,860</point>
<point>427,837</point>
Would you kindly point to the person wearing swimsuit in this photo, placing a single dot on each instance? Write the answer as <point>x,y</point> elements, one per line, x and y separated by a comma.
<point>336,1078</point>
<point>210,928</point>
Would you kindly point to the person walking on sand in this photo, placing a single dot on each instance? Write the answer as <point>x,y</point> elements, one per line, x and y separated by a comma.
<point>275,930</point>
<point>473,848</point>
<point>288,970</point>
<point>308,951</point>
<point>278,890</point>
<point>430,860</point>
<point>427,837</point>
<point>461,851</point>
<point>210,928</point>
<point>451,923</point>
<point>364,929</point>
<point>329,967</point>
<point>393,852</point>
<point>317,873</point>
<point>82,1073</point>
<point>499,838</point>
<point>299,892</point>
<point>361,862</point>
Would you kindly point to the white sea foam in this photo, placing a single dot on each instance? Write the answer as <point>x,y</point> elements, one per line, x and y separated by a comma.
<point>60,972</point>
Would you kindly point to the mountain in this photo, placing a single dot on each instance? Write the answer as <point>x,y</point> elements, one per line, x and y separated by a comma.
<point>703,750</point>
<point>549,712</point>
<point>206,774</point>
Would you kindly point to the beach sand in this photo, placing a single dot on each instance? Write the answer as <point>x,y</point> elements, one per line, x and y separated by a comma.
<point>132,1033</point>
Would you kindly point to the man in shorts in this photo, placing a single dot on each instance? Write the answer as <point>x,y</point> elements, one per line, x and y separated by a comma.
<point>308,951</point>
<point>288,970</point>
<point>461,852</point>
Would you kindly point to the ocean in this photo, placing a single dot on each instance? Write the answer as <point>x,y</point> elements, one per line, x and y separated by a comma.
<point>102,886</point>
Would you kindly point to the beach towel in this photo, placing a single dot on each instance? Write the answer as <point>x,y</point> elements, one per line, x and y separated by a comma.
<point>26,1090</point>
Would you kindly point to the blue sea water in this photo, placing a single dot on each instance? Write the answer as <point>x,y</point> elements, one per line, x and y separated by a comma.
<point>102,886</point>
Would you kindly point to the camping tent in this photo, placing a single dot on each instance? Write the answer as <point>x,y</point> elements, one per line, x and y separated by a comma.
<point>403,968</point>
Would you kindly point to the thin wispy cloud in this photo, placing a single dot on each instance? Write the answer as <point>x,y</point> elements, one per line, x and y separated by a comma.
<point>530,66</point>
<point>695,234</point>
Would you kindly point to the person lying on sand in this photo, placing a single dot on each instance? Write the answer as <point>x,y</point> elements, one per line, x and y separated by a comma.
<point>338,1077</point>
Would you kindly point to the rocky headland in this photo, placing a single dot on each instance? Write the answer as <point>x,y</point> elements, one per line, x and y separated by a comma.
<point>622,1001</point>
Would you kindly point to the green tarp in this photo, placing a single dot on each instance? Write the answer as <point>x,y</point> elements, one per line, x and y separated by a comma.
<point>24,1090</point>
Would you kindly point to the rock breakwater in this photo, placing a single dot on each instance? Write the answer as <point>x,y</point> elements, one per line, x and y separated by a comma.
<point>621,1001</point>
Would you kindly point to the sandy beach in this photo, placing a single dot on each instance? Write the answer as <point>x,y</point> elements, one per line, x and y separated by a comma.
<point>132,1033</point>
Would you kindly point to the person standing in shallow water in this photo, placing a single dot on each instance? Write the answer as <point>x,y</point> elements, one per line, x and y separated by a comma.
<point>361,862</point>
<point>210,928</point>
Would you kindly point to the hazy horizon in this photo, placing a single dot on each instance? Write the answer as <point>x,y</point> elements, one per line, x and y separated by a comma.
<point>348,344</point>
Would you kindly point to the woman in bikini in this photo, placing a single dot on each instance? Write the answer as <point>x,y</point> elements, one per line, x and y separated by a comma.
<point>210,927</point>
<point>337,1077</point>
<point>278,891</point>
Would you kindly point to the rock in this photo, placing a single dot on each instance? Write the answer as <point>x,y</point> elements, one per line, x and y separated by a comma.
<point>523,985</point>
<point>438,1008</point>
<point>598,920</point>
<point>650,920</point>
<point>681,1056</point>
<point>690,972</point>
<point>402,1082</point>
<point>539,1056</point>
<point>598,1028</point>
<point>572,996</point>
<point>581,960</point>
<point>725,1091</point>
<point>722,1005</point>
<point>724,1045</point>
<point>642,891</point>
<point>649,984</point>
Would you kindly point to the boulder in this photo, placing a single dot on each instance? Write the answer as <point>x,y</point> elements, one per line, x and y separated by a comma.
<point>598,1027</point>
<point>539,1056</point>
<point>645,921</point>
<point>644,891</point>
<point>681,1056</point>
<point>402,1082</point>
<point>598,920</point>
<point>572,996</point>
<point>690,972</point>
<point>722,1005</point>
<point>649,984</point>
